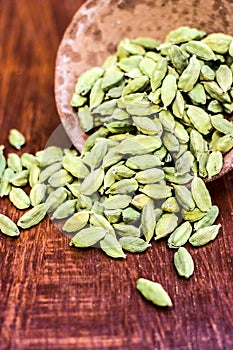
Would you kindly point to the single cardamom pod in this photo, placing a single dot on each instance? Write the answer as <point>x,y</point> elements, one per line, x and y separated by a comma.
<point>190,75</point>
<point>170,205</point>
<point>200,119</point>
<point>113,215</point>
<point>49,155</point>
<point>100,221</point>
<point>97,154</point>
<point>146,125</point>
<point>193,215</point>
<point>140,200</point>
<point>5,186</point>
<point>65,210</point>
<point>34,174</point>
<point>96,94</point>
<point>148,221</point>
<point>56,198</point>
<point>33,216</point>
<point>200,194</point>
<point>76,222</point>
<point>157,191</point>
<point>118,201</point>
<point>214,163</point>
<point>16,138</point>
<point>165,225</point>
<point>143,162</point>
<point>200,49</point>
<point>208,219</point>
<point>184,197</point>
<point>139,144</point>
<point>60,178</point>
<point>14,162</point>
<point>92,182</point>
<point>154,292</point>
<point>150,176</point>
<point>204,235</point>
<point>180,235</point>
<point>75,166</point>
<point>8,227</point>
<point>184,34</point>
<point>19,198</point>
<point>127,230</point>
<point>111,246</point>
<point>168,90</point>
<point>88,237</point>
<point>130,215</point>
<point>183,262</point>
<point>20,179</point>
<point>123,187</point>
<point>221,124</point>
<point>37,194</point>
<point>28,160</point>
<point>158,74</point>
<point>224,77</point>
<point>134,244</point>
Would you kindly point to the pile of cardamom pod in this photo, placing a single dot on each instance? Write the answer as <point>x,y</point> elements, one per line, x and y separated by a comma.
<point>157,116</point>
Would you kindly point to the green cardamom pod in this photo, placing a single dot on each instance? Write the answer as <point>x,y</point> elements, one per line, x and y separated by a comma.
<point>150,176</point>
<point>158,74</point>
<point>56,198</point>
<point>88,237</point>
<point>180,235</point>
<point>87,80</point>
<point>60,178</point>
<point>19,198</point>
<point>8,227</point>
<point>204,235</point>
<point>200,194</point>
<point>134,244</point>
<point>184,197</point>
<point>183,262</point>
<point>157,191</point>
<point>148,221</point>
<point>92,182</point>
<point>49,155</point>
<point>100,221</point>
<point>124,186</point>
<point>153,292</point>
<point>64,210</point>
<point>200,49</point>
<point>75,166</point>
<point>76,222</point>
<point>214,163</point>
<point>33,216</point>
<point>168,90</point>
<point>14,162</point>
<point>208,219</point>
<point>190,75</point>
<point>2,162</point>
<point>20,179</point>
<point>16,138</point>
<point>127,230</point>
<point>143,162</point>
<point>111,246</point>
<point>165,225</point>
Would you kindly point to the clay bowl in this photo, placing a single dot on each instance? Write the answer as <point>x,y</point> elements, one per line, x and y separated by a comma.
<point>98,26</point>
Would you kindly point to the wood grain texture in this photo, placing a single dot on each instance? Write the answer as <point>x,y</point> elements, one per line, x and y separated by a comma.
<point>58,298</point>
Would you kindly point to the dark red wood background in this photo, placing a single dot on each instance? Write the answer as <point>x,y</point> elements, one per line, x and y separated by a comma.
<point>57,298</point>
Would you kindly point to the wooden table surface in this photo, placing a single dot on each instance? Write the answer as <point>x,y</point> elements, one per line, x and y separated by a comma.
<point>57,298</point>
